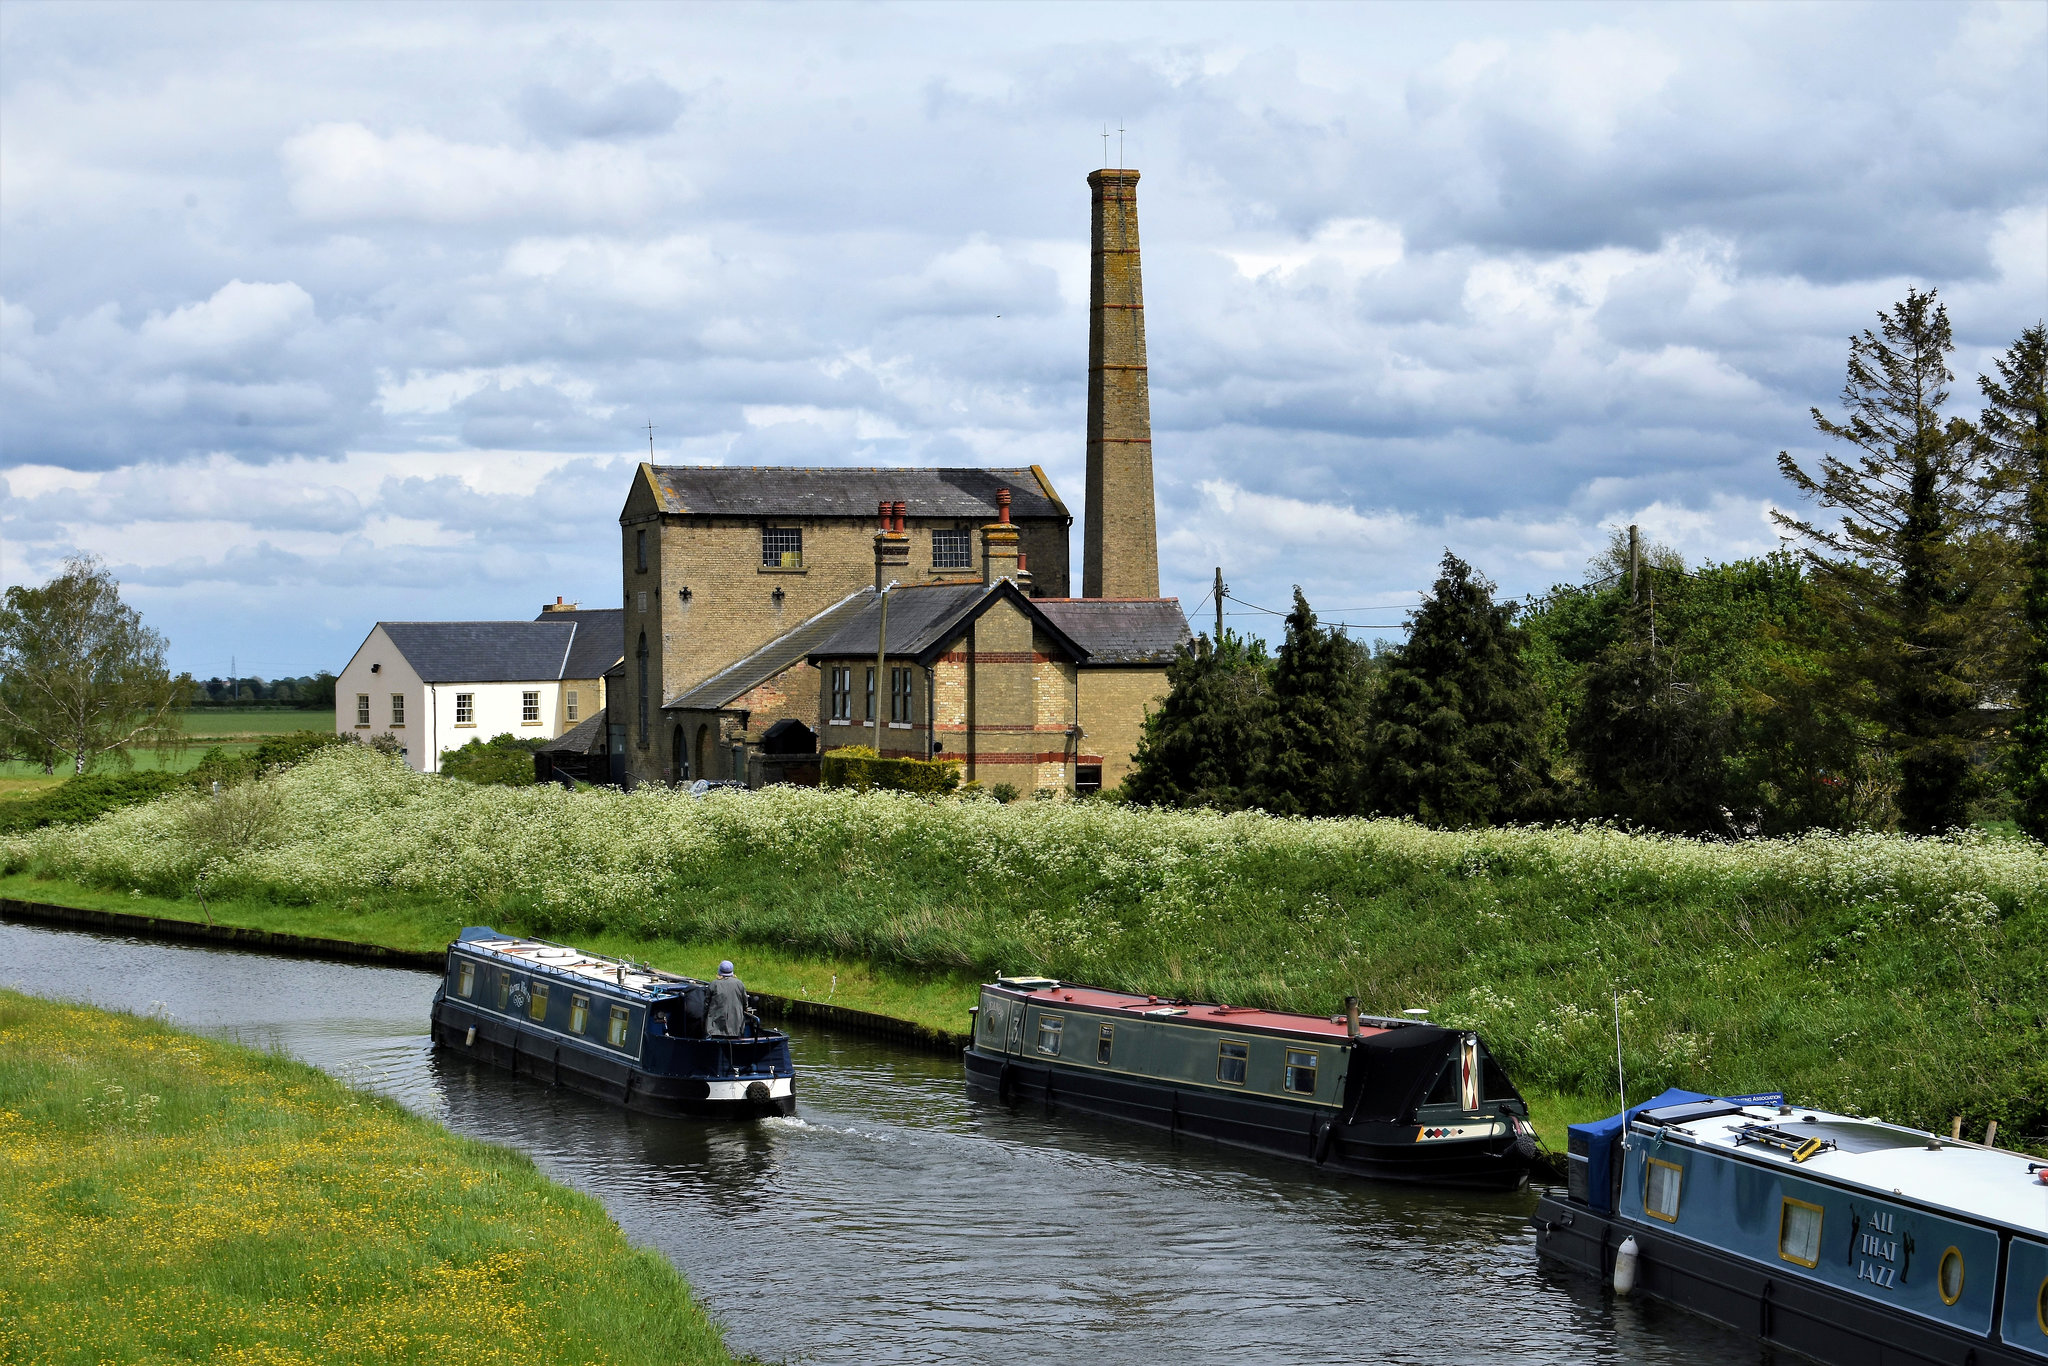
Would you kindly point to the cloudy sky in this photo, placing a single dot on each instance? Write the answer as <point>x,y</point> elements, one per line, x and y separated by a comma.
<point>311,316</point>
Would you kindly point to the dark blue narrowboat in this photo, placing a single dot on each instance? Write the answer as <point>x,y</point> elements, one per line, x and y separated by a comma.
<point>1394,1100</point>
<point>1847,1239</point>
<point>607,1027</point>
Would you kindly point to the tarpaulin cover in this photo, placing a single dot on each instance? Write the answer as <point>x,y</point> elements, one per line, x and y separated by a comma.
<point>1600,1135</point>
<point>1398,1067</point>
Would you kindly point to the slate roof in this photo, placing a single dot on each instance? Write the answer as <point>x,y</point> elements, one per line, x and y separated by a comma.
<point>924,618</point>
<point>600,642</point>
<point>483,651</point>
<point>738,679</point>
<point>787,491</point>
<point>1121,630</point>
<point>582,738</point>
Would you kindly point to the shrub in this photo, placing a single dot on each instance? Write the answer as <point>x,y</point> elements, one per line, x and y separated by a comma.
<point>1004,793</point>
<point>504,761</point>
<point>85,798</point>
<point>859,767</point>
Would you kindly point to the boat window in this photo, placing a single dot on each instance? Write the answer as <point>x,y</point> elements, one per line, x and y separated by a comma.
<point>1445,1092</point>
<point>504,989</point>
<point>465,979</point>
<point>537,1001</point>
<point>1661,1181</point>
<point>616,1034</point>
<point>1948,1277</point>
<point>1102,1043</point>
<point>1049,1030</point>
<point>579,1014</point>
<point>1231,1057</point>
<point>1799,1232</point>
<point>1301,1071</point>
<point>2041,1305</point>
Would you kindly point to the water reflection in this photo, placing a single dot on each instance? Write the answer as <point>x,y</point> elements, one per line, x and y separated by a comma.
<point>896,1221</point>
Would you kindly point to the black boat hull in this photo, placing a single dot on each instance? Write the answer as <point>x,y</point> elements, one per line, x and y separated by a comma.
<point>546,1058</point>
<point>1795,1313</point>
<point>1379,1152</point>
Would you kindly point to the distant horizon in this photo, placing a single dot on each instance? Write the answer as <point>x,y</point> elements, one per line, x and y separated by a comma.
<point>313,316</point>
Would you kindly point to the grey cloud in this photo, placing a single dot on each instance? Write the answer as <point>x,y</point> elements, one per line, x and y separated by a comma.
<point>625,109</point>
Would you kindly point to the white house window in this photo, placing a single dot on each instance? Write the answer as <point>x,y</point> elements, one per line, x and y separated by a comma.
<point>465,709</point>
<point>782,547</point>
<point>952,549</point>
<point>398,709</point>
<point>362,709</point>
<point>529,708</point>
<point>842,695</point>
<point>569,705</point>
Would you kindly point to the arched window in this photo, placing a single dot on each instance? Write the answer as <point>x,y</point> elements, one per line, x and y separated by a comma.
<point>640,656</point>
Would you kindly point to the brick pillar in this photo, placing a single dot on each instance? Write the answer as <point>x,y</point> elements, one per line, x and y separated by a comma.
<point>1120,542</point>
<point>999,551</point>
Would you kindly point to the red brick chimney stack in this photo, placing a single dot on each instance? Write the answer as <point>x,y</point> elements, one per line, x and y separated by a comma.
<point>892,546</point>
<point>999,548</point>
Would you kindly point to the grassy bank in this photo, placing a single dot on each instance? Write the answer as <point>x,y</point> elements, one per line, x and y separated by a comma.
<point>169,1197</point>
<point>1876,973</point>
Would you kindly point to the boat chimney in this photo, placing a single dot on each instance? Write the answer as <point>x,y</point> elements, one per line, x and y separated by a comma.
<point>1351,1015</point>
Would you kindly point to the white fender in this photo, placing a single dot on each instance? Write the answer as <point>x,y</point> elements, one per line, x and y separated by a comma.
<point>1625,1266</point>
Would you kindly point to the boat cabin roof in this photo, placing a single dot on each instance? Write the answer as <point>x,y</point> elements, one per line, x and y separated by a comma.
<point>563,961</point>
<point>1046,992</point>
<point>1964,1178</point>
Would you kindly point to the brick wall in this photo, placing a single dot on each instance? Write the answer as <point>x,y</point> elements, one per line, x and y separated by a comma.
<point>1114,704</point>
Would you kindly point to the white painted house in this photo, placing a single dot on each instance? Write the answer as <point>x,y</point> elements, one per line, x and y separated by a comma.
<point>436,685</point>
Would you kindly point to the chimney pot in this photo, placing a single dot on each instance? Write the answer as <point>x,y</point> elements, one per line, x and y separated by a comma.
<point>1003,505</point>
<point>883,513</point>
<point>901,508</point>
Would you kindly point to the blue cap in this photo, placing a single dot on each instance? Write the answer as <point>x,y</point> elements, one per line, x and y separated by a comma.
<point>725,968</point>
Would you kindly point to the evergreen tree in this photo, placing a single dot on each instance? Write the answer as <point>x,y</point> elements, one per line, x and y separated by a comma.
<point>1203,744</point>
<point>1898,574</point>
<point>2015,430</point>
<point>1311,752</point>
<point>1453,735</point>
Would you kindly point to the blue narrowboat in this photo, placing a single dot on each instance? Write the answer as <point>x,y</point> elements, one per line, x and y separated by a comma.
<point>607,1027</point>
<point>1394,1100</point>
<point>1847,1239</point>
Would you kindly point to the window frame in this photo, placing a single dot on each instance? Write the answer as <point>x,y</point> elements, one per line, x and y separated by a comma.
<point>579,1013</point>
<point>618,1024</point>
<point>869,719</point>
<point>570,702</point>
<point>779,544</point>
<point>397,709</point>
<point>842,695</point>
<point>640,550</point>
<point>1053,1027</point>
<point>1288,1067</point>
<point>1243,1059</point>
<point>1678,1189</point>
<point>959,543</point>
<point>1941,1279</point>
<point>537,1002</point>
<point>465,709</point>
<point>504,989</point>
<point>1820,1215</point>
<point>362,709</point>
<point>1105,1044</point>
<point>529,707</point>
<point>899,696</point>
<point>465,980</point>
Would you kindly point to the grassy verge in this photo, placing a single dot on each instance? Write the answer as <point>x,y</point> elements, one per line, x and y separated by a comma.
<point>169,1197</point>
<point>1871,973</point>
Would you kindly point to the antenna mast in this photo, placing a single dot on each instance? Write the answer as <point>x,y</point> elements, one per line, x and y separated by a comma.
<point>650,441</point>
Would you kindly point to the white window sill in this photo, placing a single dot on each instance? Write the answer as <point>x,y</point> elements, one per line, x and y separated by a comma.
<point>902,725</point>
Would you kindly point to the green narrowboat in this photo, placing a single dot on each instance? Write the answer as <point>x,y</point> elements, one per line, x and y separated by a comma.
<point>1390,1099</point>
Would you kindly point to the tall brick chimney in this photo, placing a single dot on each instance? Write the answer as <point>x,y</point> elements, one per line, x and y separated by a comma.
<point>1120,541</point>
<point>892,546</point>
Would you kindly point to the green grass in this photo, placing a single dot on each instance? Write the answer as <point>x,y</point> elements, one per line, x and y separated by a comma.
<point>1871,973</point>
<point>204,722</point>
<point>237,731</point>
<point>165,1197</point>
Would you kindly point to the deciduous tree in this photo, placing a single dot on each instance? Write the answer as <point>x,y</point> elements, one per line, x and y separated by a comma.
<point>82,680</point>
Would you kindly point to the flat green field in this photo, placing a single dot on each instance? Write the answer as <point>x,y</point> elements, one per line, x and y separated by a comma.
<point>168,1197</point>
<point>235,730</point>
<point>202,722</point>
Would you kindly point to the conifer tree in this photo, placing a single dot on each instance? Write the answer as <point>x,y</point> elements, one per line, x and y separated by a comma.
<point>1311,758</point>
<point>1204,743</point>
<point>2015,430</point>
<point>1896,574</point>
<point>1453,736</point>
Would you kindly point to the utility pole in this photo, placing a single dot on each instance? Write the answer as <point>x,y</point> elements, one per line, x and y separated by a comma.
<point>1219,606</point>
<point>1635,560</point>
<point>881,664</point>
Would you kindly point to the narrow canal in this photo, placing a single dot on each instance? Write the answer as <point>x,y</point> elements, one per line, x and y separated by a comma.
<point>895,1221</point>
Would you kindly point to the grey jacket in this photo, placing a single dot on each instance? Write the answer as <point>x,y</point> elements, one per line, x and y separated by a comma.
<point>725,1016</point>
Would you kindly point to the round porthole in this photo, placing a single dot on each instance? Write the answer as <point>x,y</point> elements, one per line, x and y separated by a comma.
<point>2041,1305</point>
<point>1948,1277</point>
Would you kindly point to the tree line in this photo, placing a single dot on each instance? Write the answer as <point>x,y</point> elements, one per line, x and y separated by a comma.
<point>1887,669</point>
<point>309,692</point>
